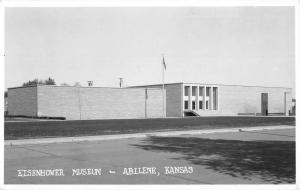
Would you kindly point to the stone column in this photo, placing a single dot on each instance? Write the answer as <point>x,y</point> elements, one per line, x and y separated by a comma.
<point>204,98</point>
<point>211,98</point>
<point>197,97</point>
<point>190,97</point>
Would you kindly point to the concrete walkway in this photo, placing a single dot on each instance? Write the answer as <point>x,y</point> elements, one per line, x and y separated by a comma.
<point>139,135</point>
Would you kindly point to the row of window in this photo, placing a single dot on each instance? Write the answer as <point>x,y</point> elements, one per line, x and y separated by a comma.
<point>186,105</point>
<point>210,101</point>
<point>187,89</point>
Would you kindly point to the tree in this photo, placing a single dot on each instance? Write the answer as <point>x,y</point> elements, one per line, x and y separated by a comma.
<point>49,81</point>
<point>35,82</point>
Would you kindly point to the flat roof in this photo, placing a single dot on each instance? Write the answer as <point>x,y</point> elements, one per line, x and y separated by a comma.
<point>159,84</point>
<point>70,87</point>
<point>21,87</point>
<point>213,85</point>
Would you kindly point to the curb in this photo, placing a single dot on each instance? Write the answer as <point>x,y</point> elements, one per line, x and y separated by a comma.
<point>138,135</point>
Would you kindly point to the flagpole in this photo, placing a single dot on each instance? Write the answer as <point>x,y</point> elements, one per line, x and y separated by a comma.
<point>163,83</point>
<point>146,97</point>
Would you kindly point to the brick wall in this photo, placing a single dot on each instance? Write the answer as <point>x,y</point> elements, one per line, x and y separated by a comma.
<point>98,103</point>
<point>22,101</point>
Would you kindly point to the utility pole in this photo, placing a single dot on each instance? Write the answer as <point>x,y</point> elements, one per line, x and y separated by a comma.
<point>121,82</point>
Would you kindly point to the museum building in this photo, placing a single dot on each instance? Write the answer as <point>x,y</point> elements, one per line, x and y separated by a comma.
<point>148,101</point>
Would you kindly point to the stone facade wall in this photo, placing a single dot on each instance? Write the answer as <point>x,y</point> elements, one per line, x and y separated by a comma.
<point>109,103</point>
<point>22,101</point>
<point>98,103</point>
<point>173,98</point>
<point>235,100</point>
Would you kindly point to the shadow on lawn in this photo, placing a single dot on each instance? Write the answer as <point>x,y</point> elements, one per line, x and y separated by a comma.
<point>273,161</point>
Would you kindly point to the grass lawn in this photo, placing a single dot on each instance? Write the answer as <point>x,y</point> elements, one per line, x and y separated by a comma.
<point>43,129</point>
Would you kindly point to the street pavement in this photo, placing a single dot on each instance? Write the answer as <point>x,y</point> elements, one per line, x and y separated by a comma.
<point>112,156</point>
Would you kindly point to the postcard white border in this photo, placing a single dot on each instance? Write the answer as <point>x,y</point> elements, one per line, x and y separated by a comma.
<point>145,3</point>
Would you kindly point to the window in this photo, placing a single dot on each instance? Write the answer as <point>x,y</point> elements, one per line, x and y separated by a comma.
<point>200,91</point>
<point>215,95</point>
<point>200,105</point>
<point>207,104</point>
<point>194,91</point>
<point>207,91</point>
<point>186,90</point>
<point>193,105</point>
<point>186,105</point>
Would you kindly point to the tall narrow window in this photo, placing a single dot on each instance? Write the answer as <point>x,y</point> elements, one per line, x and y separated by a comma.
<point>186,105</point>
<point>200,105</point>
<point>200,91</point>
<point>186,90</point>
<point>207,104</point>
<point>207,91</point>
<point>194,91</point>
<point>193,105</point>
<point>215,96</point>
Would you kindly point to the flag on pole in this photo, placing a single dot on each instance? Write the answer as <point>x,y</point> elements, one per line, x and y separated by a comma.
<point>163,83</point>
<point>164,63</point>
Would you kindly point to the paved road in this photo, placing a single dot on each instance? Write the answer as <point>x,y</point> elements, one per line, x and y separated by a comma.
<point>237,151</point>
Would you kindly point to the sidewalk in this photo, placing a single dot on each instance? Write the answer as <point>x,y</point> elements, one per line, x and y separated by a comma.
<point>138,135</point>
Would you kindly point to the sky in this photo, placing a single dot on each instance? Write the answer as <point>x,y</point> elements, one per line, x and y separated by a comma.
<point>215,45</point>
